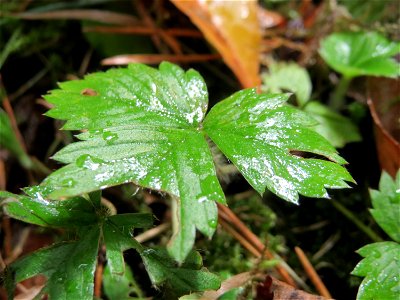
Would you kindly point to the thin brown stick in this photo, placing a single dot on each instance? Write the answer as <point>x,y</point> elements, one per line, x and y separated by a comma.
<point>148,21</point>
<point>98,275</point>
<point>103,16</point>
<point>152,233</point>
<point>241,227</point>
<point>157,58</point>
<point>7,246</point>
<point>225,213</point>
<point>17,250</point>
<point>239,237</point>
<point>140,30</point>
<point>312,274</point>
<point>10,112</point>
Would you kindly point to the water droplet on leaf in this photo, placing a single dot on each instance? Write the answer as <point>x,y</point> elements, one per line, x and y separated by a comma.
<point>87,161</point>
<point>68,182</point>
<point>110,137</point>
<point>213,223</point>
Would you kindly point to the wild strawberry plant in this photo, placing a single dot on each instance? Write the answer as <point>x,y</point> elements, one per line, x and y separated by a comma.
<point>150,127</point>
<point>381,263</point>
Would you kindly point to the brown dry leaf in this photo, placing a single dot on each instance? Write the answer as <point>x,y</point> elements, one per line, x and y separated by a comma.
<point>384,104</point>
<point>227,285</point>
<point>273,289</point>
<point>232,27</point>
<point>103,16</point>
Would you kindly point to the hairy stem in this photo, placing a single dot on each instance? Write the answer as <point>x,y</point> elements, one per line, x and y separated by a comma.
<point>353,218</point>
<point>337,99</point>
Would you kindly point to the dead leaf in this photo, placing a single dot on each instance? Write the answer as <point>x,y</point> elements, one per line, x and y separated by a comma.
<point>384,104</point>
<point>229,284</point>
<point>273,289</point>
<point>232,27</point>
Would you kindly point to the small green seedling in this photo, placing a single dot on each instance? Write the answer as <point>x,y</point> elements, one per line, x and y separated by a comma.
<point>358,54</point>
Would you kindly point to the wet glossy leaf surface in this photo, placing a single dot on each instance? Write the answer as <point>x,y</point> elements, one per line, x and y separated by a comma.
<point>257,132</point>
<point>69,267</point>
<point>117,234</point>
<point>35,209</point>
<point>288,77</point>
<point>360,53</point>
<point>190,277</point>
<point>143,125</point>
<point>381,269</point>
<point>386,205</point>
<point>337,129</point>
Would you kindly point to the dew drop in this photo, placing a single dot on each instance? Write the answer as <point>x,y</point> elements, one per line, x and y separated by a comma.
<point>68,182</point>
<point>213,223</point>
<point>110,137</point>
<point>87,161</point>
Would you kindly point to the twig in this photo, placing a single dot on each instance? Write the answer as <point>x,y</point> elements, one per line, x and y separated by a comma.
<point>157,58</point>
<point>152,233</point>
<point>140,30</point>
<point>19,247</point>
<point>28,84</point>
<point>312,274</point>
<point>5,224</point>
<point>148,21</point>
<point>225,213</point>
<point>98,275</point>
<point>326,246</point>
<point>85,62</point>
<point>8,108</point>
<point>239,237</point>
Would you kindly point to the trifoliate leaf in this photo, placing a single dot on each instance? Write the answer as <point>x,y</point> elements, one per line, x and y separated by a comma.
<point>337,129</point>
<point>189,277</point>
<point>69,267</point>
<point>386,205</point>
<point>143,125</point>
<point>381,269</point>
<point>258,133</point>
<point>283,77</point>
<point>360,53</point>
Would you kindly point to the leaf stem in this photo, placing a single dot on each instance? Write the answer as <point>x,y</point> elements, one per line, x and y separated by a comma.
<point>353,218</point>
<point>337,98</point>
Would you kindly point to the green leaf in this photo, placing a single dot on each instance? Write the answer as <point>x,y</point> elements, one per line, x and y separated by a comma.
<point>337,129</point>
<point>381,269</point>
<point>144,126</point>
<point>120,287</point>
<point>257,132</point>
<point>360,53</point>
<point>386,205</point>
<point>117,233</point>
<point>35,209</point>
<point>189,277</point>
<point>288,77</point>
<point>9,141</point>
<point>69,267</point>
